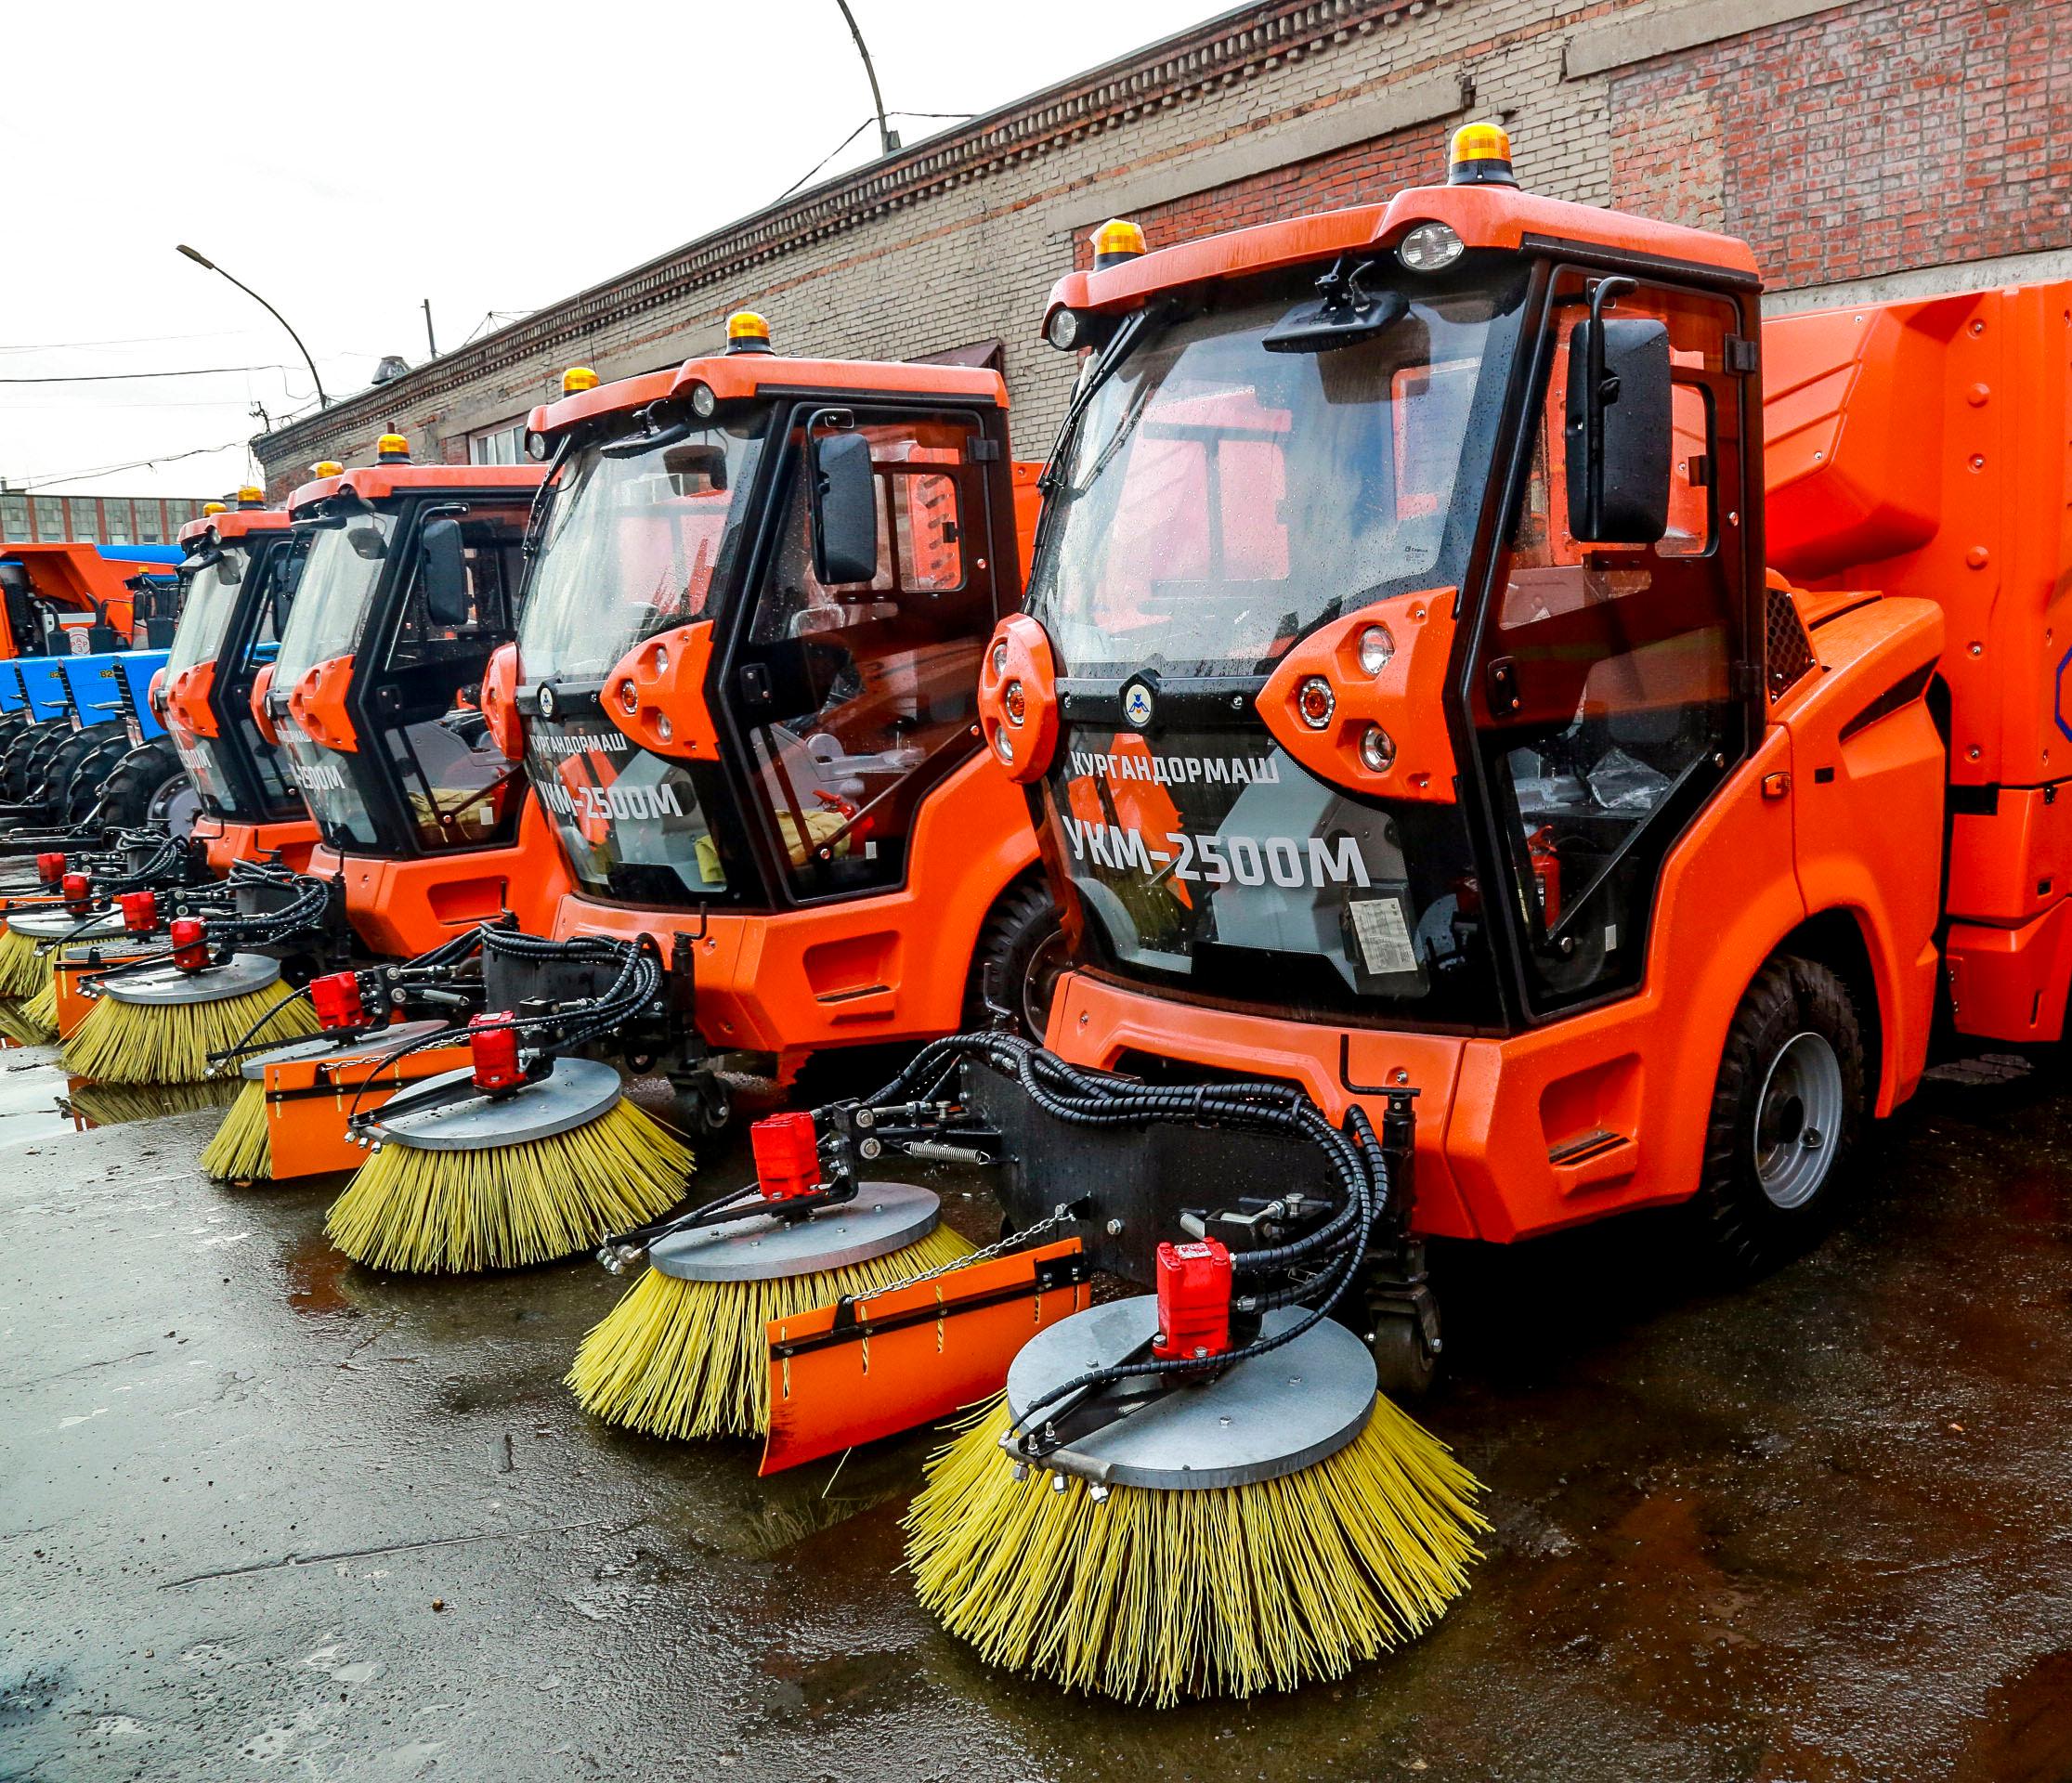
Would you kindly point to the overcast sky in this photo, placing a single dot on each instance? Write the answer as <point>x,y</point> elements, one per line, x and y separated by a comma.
<point>349,162</point>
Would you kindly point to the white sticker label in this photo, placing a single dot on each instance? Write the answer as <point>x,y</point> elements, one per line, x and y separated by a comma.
<point>1383,935</point>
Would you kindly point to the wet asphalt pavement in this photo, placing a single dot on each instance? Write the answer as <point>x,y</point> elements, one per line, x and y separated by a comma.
<point>264,1513</point>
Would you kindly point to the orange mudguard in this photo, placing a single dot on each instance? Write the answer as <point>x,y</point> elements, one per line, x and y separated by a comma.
<point>308,1099</point>
<point>912,1354</point>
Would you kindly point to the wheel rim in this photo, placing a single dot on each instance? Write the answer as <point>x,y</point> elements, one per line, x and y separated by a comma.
<point>176,805</point>
<point>1798,1120</point>
<point>1039,984</point>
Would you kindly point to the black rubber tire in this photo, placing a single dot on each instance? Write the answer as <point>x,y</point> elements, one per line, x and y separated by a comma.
<point>1014,967</point>
<point>62,764</point>
<point>94,772</point>
<point>28,758</point>
<point>1746,1231</point>
<point>126,785</point>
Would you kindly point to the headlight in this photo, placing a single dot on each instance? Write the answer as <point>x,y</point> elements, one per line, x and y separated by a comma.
<point>703,402</point>
<point>1377,645</point>
<point>1429,247</point>
<point>536,446</point>
<point>1377,749</point>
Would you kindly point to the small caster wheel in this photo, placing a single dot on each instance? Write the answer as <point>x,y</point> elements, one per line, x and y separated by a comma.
<point>715,1109</point>
<point>1405,1360</point>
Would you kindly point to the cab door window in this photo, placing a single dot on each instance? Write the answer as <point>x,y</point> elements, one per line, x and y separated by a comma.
<point>1603,689</point>
<point>459,788</point>
<point>856,699</point>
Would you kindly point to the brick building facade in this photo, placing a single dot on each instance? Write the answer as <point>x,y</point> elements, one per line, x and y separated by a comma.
<point>1859,146</point>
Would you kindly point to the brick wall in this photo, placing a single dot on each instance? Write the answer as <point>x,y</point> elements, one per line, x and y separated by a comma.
<point>1733,118</point>
<point>1358,175</point>
<point>1863,140</point>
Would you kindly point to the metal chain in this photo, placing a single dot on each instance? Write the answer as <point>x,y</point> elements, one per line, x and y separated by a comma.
<point>1060,1216</point>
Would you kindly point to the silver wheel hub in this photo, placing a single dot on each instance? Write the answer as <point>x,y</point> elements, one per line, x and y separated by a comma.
<point>1798,1120</point>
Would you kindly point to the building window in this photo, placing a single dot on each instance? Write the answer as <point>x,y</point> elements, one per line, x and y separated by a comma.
<point>116,517</point>
<point>148,529</point>
<point>83,520</point>
<point>50,518</point>
<point>14,520</point>
<point>498,445</point>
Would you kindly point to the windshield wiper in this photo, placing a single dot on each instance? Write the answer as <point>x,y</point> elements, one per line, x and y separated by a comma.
<point>1110,356</point>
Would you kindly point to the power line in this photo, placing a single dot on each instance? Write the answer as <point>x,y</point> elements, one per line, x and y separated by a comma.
<point>134,465</point>
<point>124,377</point>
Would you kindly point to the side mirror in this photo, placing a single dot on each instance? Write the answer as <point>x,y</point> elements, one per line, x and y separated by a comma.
<point>844,510</point>
<point>442,567</point>
<point>1617,429</point>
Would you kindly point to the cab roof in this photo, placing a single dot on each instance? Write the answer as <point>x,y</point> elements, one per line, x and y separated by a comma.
<point>378,482</point>
<point>732,375</point>
<point>1483,217</point>
<point>235,523</point>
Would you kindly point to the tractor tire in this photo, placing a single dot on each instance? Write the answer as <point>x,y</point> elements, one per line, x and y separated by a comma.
<point>1788,1111</point>
<point>1021,952</point>
<point>60,766</point>
<point>81,793</point>
<point>22,771</point>
<point>141,788</point>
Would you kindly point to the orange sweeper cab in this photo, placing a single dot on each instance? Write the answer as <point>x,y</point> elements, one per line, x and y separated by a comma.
<point>744,691</point>
<point>409,583</point>
<point>1477,680</point>
<point>240,570</point>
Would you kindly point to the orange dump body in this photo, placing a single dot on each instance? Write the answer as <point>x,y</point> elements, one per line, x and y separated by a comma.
<point>77,577</point>
<point>1925,448</point>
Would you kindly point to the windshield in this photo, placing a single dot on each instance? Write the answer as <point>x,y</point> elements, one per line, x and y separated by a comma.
<point>1217,501</point>
<point>633,546</point>
<point>205,616</point>
<point>343,567</point>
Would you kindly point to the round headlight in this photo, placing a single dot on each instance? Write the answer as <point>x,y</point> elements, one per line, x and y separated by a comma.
<point>1377,749</point>
<point>703,402</point>
<point>1062,330</point>
<point>1001,657</point>
<point>1429,247</point>
<point>536,446</point>
<point>1316,702</point>
<point>1377,644</point>
<point>1005,743</point>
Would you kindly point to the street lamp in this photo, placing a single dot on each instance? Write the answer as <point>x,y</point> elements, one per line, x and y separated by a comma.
<point>202,260</point>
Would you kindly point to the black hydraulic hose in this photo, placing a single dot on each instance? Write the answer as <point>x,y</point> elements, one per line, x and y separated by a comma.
<point>1084,1099</point>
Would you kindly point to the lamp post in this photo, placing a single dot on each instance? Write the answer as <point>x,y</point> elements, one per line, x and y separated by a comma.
<point>200,259</point>
<point>888,138</point>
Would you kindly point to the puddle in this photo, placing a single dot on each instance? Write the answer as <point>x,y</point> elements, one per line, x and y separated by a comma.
<point>32,1106</point>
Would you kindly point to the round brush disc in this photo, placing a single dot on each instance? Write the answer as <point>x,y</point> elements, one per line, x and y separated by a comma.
<point>61,925</point>
<point>573,1094</point>
<point>168,987</point>
<point>1275,1414</point>
<point>885,1216</point>
<point>323,1046</point>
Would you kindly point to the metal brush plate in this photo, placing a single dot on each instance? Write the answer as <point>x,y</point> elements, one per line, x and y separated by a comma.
<point>61,925</point>
<point>322,1045</point>
<point>1273,1415</point>
<point>168,987</point>
<point>574,1092</point>
<point>885,1216</point>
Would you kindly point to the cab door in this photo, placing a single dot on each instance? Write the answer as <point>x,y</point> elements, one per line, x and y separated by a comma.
<point>1608,693</point>
<point>852,700</point>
